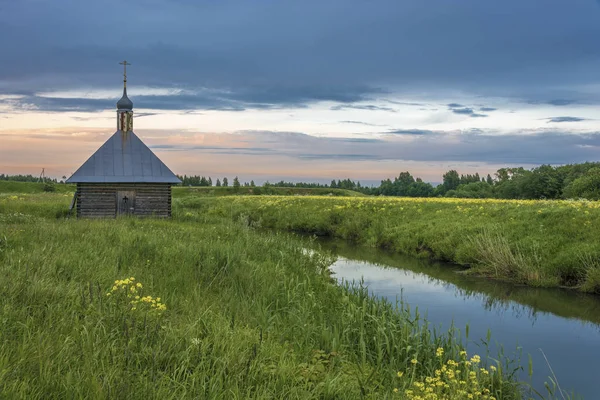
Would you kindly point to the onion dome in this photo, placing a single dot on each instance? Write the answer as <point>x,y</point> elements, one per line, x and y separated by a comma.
<point>124,103</point>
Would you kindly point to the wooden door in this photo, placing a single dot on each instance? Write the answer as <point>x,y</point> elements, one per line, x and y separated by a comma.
<point>125,202</point>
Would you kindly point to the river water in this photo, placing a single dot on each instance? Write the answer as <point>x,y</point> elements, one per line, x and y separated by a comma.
<point>565,325</point>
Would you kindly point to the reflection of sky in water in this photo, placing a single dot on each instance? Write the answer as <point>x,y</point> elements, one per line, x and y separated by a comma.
<point>572,346</point>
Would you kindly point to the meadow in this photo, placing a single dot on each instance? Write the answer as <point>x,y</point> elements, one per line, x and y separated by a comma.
<point>550,243</point>
<point>209,305</point>
<point>197,191</point>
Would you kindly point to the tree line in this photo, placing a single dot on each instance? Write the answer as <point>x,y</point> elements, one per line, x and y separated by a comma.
<point>27,178</point>
<point>543,182</point>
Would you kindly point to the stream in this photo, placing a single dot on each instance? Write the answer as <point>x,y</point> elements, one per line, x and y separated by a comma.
<point>564,324</point>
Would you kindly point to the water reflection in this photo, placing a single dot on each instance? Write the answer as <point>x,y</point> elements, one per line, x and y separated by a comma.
<point>564,324</point>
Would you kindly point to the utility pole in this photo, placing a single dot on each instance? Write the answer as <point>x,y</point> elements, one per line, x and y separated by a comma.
<point>42,176</point>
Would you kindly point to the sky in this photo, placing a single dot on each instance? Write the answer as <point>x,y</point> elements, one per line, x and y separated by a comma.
<point>303,90</point>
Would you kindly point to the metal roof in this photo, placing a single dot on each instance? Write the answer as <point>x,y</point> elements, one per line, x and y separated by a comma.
<point>123,158</point>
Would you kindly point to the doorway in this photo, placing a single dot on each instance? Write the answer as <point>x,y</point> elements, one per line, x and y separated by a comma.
<point>125,202</point>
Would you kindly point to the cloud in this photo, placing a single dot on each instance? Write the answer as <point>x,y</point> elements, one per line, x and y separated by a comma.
<point>541,146</point>
<point>466,111</point>
<point>566,119</point>
<point>560,102</point>
<point>238,99</point>
<point>334,156</point>
<point>360,123</point>
<point>145,114</point>
<point>403,103</point>
<point>261,51</point>
<point>455,105</point>
<point>417,132</point>
<point>254,153</point>
<point>487,109</point>
<point>369,107</point>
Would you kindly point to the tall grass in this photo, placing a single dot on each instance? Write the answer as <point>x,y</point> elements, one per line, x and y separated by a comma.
<point>248,314</point>
<point>538,243</point>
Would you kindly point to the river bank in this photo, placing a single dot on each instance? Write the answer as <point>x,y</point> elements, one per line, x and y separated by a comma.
<point>200,306</point>
<point>564,325</point>
<point>536,243</point>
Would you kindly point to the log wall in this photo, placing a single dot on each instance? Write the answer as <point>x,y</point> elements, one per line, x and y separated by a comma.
<point>99,200</point>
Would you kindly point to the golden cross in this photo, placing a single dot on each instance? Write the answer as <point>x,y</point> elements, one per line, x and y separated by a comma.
<point>124,63</point>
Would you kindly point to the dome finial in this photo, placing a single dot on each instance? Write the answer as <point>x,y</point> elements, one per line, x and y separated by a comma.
<point>124,103</point>
<point>124,63</point>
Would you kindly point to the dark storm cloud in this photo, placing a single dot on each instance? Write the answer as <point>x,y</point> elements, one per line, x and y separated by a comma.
<point>566,119</point>
<point>263,53</point>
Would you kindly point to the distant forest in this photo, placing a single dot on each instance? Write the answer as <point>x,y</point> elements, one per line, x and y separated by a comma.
<point>543,182</point>
<point>27,178</point>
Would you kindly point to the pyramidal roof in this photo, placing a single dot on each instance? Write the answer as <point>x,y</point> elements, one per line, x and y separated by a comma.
<point>123,158</point>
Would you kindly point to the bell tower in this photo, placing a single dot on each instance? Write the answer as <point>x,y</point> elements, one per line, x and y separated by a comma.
<point>125,106</point>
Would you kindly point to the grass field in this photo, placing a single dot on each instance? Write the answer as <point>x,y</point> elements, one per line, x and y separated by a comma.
<point>32,187</point>
<point>180,191</point>
<point>237,313</point>
<point>538,243</point>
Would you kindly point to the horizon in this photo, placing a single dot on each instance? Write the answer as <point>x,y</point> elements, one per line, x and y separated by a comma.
<point>304,92</point>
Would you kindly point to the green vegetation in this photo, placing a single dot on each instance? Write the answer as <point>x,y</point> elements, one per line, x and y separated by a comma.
<point>180,191</point>
<point>538,243</point>
<point>28,178</point>
<point>573,181</point>
<point>34,187</point>
<point>269,190</point>
<point>237,313</point>
<point>544,182</point>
